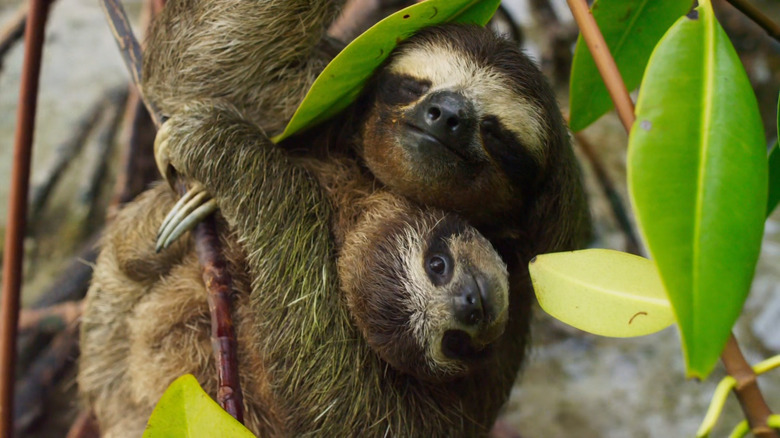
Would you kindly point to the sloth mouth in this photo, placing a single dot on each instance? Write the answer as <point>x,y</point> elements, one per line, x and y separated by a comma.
<point>423,137</point>
<point>457,344</point>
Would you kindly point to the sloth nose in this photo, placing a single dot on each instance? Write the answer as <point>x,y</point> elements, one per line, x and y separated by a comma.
<point>468,303</point>
<point>448,116</point>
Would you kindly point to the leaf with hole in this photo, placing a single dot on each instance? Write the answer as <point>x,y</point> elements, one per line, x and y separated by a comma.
<point>697,175</point>
<point>601,291</point>
<point>343,79</point>
<point>186,411</point>
<point>631,29</point>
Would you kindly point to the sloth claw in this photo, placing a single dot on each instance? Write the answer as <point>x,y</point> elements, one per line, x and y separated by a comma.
<point>188,212</point>
<point>191,209</point>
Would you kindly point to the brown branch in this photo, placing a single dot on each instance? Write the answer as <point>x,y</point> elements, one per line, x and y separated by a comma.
<point>17,208</point>
<point>215,274</point>
<point>12,31</point>
<point>747,391</point>
<point>138,137</point>
<point>758,17</point>
<point>223,337</point>
<point>604,61</point>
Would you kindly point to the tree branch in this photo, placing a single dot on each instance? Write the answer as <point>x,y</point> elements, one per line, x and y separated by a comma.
<point>747,391</point>
<point>17,208</point>
<point>755,14</point>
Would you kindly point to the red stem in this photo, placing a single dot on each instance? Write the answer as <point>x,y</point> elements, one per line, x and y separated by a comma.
<point>17,208</point>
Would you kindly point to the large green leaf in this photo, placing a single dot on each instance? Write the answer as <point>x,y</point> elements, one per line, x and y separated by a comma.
<point>601,291</point>
<point>343,79</point>
<point>697,174</point>
<point>186,411</point>
<point>631,29</point>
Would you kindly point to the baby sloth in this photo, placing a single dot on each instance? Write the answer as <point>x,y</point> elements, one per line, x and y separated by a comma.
<point>430,299</point>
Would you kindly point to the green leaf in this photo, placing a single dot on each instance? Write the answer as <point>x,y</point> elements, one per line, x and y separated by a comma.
<point>631,29</point>
<point>601,291</point>
<point>343,79</point>
<point>186,411</point>
<point>697,174</point>
<point>774,179</point>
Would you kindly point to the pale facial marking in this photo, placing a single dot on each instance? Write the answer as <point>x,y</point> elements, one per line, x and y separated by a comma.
<point>448,69</point>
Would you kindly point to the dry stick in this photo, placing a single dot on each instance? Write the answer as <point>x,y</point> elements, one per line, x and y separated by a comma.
<point>752,12</point>
<point>604,61</point>
<point>12,31</point>
<point>51,319</point>
<point>747,391</point>
<point>217,278</point>
<point>17,208</point>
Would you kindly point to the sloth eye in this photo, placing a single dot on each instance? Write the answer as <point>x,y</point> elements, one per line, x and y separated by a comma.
<point>491,128</point>
<point>437,264</point>
<point>413,88</point>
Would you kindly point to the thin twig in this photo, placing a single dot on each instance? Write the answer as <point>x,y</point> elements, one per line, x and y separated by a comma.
<point>618,209</point>
<point>216,276</point>
<point>604,61</point>
<point>138,137</point>
<point>755,14</point>
<point>747,391</point>
<point>12,31</point>
<point>85,426</point>
<point>17,208</point>
<point>223,337</point>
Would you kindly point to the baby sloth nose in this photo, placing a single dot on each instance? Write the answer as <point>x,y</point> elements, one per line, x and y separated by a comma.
<point>468,303</point>
<point>448,116</point>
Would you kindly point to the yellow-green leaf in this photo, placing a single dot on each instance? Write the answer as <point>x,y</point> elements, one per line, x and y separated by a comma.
<point>697,174</point>
<point>343,79</point>
<point>601,291</point>
<point>186,411</point>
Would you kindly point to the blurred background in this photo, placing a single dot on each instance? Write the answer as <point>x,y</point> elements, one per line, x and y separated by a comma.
<point>574,384</point>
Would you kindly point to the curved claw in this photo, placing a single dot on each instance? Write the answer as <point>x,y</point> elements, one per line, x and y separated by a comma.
<point>161,150</point>
<point>190,210</point>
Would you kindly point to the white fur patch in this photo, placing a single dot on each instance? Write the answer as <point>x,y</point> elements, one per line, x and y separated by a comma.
<point>448,69</point>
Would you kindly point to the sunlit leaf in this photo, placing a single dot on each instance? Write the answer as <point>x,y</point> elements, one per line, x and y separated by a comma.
<point>697,174</point>
<point>631,29</point>
<point>186,411</point>
<point>343,79</point>
<point>605,292</point>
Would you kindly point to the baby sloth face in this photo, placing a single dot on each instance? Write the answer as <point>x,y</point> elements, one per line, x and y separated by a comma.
<point>431,297</point>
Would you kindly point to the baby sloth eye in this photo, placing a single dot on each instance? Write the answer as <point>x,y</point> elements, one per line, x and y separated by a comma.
<point>437,265</point>
<point>413,88</point>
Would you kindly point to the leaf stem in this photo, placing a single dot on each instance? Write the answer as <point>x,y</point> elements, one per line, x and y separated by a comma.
<point>17,208</point>
<point>747,391</point>
<point>604,61</point>
<point>758,17</point>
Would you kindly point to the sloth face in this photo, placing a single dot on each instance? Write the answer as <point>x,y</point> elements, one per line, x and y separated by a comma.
<point>431,297</point>
<point>457,115</point>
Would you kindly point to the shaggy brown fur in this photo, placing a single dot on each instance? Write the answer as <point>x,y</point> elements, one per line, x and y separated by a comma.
<point>306,369</point>
<point>312,370</point>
